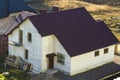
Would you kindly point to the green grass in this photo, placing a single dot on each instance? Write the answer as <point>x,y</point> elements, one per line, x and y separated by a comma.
<point>15,74</point>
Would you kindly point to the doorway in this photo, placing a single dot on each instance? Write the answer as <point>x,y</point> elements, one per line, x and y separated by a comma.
<point>51,60</point>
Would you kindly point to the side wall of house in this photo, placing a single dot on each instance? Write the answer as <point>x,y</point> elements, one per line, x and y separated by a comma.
<point>88,60</point>
<point>34,46</point>
<point>51,44</point>
<point>66,66</point>
<point>117,48</point>
<point>48,47</point>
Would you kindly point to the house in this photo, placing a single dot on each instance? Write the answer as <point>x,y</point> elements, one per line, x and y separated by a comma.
<point>70,41</point>
<point>12,6</point>
<point>3,44</point>
<point>117,48</point>
<point>7,24</point>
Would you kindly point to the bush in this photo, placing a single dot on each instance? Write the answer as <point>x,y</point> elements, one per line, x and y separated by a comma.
<point>2,77</point>
<point>12,78</point>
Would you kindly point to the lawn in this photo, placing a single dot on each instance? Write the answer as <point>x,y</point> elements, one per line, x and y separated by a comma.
<point>15,74</point>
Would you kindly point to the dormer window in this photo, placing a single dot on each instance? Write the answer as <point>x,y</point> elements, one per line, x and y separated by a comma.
<point>16,20</point>
<point>20,17</point>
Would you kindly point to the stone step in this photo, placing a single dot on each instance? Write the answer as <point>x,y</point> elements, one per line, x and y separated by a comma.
<point>51,71</point>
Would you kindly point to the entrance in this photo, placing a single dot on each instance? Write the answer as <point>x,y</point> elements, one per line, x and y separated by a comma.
<point>51,60</point>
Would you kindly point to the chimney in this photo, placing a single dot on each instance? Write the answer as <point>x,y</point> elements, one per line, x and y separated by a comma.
<point>55,8</point>
<point>43,11</point>
<point>4,5</point>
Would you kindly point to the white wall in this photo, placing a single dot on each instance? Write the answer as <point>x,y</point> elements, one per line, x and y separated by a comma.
<point>48,46</point>
<point>118,48</point>
<point>34,47</point>
<point>60,49</point>
<point>88,61</point>
<point>51,44</point>
<point>38,48</point>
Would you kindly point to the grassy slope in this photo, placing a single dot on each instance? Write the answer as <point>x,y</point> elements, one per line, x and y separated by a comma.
<point>109,14</point>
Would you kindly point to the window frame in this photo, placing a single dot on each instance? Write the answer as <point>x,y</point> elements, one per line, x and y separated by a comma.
<point>97,53</point>
<point>106,50</point>
<point>26,54</point>
<point>20,36</point>
<point>61,58</point>
<point>20,17</point>
<point>29,37</point>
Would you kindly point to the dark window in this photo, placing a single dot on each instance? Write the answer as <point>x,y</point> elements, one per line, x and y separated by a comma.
<point>16,20</point>
<point>20,36</point>
<point>29,37</point>
<point>61,58</point>
<point>96,53</point>
<point>26,54</point>
<point>13,17</point>
<point>20,18</point>
<point>105,50</point>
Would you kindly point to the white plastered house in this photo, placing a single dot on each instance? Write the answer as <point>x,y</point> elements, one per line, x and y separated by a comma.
<point>70,41</point>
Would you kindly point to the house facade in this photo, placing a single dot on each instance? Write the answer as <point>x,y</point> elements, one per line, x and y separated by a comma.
<point>7,24</point>
<point>47,43</point>
<point>92,59</point>
<point>117,48</point>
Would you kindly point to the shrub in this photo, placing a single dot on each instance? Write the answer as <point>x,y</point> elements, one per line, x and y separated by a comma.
<point>2,77</point>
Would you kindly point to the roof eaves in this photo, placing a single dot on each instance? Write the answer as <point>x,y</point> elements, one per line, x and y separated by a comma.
<point>16,26</point>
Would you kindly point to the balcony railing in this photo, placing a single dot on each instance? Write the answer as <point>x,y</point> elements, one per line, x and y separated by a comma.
<point>15,43</point>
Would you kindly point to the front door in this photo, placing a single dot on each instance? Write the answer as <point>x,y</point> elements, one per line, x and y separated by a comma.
<point>50,60</point>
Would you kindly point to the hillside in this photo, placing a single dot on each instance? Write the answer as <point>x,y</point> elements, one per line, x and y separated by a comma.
<point>106,2</point>
<point>109,14</point>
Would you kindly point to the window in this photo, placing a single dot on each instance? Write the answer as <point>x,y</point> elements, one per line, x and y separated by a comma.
<point>20,17</point>
<point>20,36</point>
<point>16,20</point>
<point>61,58</point>
<point>13,17</point>
<point>105,50</point>
<point>29,37</point>
<point>26,54</point>
<point>96,53</point>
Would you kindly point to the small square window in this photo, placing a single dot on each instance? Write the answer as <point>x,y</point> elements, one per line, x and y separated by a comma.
<point>29,37</point>
<point>106,51</point>
<point>96,53</point>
